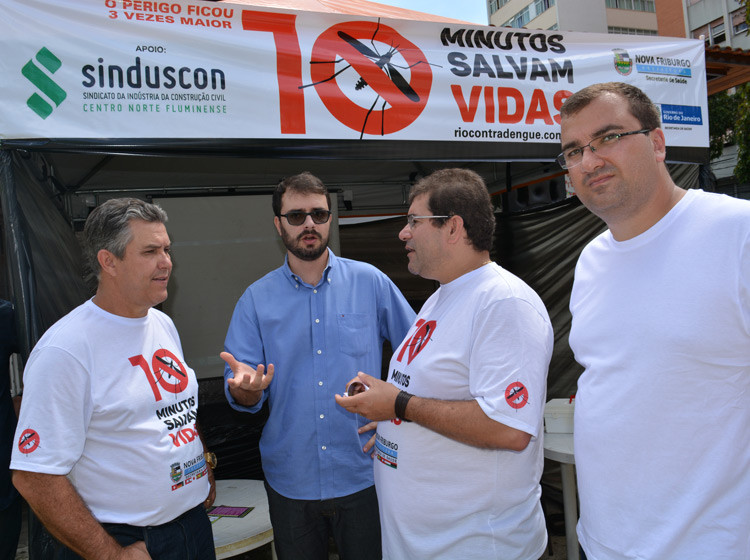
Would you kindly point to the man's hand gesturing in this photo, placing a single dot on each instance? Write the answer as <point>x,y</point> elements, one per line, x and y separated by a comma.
<point>248,384</point>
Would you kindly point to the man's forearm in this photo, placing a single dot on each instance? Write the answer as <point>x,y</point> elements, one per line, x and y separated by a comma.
<point>466,422</point>
<point>63,513</point>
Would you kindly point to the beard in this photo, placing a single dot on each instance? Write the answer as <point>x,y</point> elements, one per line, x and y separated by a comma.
<point>295,247</point>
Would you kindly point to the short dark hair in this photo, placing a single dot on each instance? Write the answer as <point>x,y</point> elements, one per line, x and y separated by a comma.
<point>641,107</point>
<point>108,227</point>
<point>303,183</point>
<point>460,192</point>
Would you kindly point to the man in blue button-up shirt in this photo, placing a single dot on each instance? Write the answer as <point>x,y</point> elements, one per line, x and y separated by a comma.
<point>297,336</point>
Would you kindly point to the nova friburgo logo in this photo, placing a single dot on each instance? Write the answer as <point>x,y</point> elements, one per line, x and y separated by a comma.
<point>44,83</point>
<point>623,62</point>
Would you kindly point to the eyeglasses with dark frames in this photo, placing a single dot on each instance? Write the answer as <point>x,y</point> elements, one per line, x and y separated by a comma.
<point>297,217</point>
<point>600,144</point>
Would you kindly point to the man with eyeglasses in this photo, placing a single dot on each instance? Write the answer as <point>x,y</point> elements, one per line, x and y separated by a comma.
<point>296,338</point>
<point>661,325</point>
<point>459,444</point>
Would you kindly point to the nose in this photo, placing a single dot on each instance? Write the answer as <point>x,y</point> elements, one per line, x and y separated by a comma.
<point>166,260</point>
<point>405,233</point>
<point>590,159</point>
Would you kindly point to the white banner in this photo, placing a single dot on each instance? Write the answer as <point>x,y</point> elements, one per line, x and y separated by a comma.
<point>103,69</point>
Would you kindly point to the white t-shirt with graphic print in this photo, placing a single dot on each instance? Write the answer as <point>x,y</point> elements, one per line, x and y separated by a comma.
<point>485,336</point>
<point>109,402</point>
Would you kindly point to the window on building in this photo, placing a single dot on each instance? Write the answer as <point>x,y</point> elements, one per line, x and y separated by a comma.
<point>739,25</point>
<point>634,5</point>
<point>495,5</point>
<point>541,6</point>
<point>522,18</point>
<point>630,31</point>
<point>701,32</point>
<point>718,34</point>
<point>530,12</point>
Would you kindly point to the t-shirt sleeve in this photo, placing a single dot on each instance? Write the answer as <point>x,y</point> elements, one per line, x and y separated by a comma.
<point>55,415</point>
<point>510,355</point>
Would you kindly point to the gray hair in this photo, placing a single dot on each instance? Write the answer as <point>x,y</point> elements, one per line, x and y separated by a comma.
<point>108,227</point>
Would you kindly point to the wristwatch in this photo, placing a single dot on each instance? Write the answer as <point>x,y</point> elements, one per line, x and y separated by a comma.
<point>210,459</point>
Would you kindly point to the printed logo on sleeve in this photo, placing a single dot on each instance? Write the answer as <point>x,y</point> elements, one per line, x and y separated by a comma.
<point>516,395</point>
<point>28,442</point>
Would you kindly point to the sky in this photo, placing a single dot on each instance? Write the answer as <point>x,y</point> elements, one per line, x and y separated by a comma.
<point>474,11</point>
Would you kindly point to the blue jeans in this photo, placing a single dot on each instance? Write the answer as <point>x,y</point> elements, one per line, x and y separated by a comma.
<point>302,528</point>
<point>188,537</point>
<point>581,553</point>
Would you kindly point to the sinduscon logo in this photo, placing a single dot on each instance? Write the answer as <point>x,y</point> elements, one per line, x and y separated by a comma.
<point>44,83</point>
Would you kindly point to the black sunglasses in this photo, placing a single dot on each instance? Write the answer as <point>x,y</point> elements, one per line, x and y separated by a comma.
<point>297,218</point>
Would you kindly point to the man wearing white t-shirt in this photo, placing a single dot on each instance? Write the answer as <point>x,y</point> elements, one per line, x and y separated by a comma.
<point>107,450</point>
<point>459,445</point>
<point>661,324</point>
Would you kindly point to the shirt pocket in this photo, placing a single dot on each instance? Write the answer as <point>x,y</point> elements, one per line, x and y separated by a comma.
<point>355,333</point>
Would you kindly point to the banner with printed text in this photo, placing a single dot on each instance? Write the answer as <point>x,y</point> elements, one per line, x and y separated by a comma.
<point>190,69</point>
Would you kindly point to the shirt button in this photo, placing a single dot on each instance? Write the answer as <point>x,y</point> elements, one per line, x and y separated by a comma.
<point>322,416</point>
<point>315,291</point>
<point>320,383</point>
<point>320,351</point>
<point>323,448</point>
<point>317,320</point>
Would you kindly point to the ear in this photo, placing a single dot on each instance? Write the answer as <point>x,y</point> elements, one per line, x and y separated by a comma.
<point>455,229</point>
<point>277,223</point>
<point>107,262</point>
<point>660,144</point>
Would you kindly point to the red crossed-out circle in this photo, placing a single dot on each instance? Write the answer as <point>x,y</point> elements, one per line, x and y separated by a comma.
<point>169,371</point>
<point>517,395</point>
<point>402,111</point>
<point>28,441</point>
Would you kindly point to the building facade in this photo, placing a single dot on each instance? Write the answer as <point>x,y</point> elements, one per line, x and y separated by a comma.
<point>719,22</point>
<point>633,17</point>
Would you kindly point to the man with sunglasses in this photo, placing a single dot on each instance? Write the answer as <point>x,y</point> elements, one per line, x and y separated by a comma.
<point>296,337</point>
<point>661,325</point>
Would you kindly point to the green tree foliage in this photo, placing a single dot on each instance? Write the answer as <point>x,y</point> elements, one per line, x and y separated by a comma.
<point>742,127</point>
<point>722,114</point>
<point>742,134</point>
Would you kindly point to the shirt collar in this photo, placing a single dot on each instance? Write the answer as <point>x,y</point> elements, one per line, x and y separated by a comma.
<point>296,280</point>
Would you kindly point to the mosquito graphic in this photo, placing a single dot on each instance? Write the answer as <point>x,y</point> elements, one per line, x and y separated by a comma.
<point>382,61</point>
<point>514,392</point>
<point>174,367</point>
<point>517,395</point>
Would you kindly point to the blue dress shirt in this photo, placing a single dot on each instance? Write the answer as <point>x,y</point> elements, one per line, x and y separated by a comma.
<point>318,338</point>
